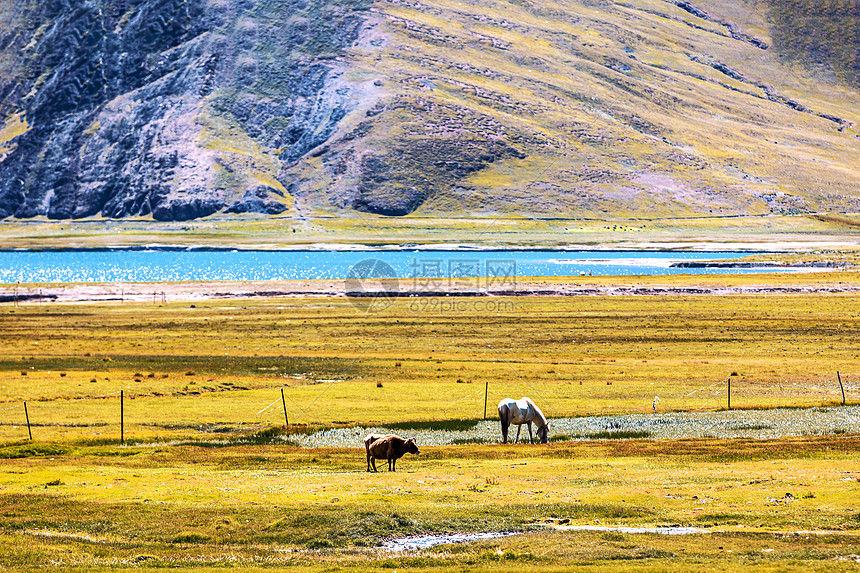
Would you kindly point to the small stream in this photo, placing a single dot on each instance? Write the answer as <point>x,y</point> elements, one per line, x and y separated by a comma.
<point>418,542</point>
<point>657,530</point>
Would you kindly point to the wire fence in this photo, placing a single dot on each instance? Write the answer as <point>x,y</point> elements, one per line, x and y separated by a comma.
<point>106,416</point>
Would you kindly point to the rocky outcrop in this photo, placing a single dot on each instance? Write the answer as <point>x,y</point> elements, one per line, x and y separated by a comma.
<point>103,95</point>
<point>731,28</point>
<point>174,109</point>
<point>442,164</point>
<point>258,199</point>
<point>767,91</point>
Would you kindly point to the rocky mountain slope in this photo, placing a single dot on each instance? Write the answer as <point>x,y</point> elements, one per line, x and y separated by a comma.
<point>178,109</point>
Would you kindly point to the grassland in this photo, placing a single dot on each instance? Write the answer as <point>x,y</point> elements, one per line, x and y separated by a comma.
<point>216,363</point>
<point>95,507</point>
<point>186,490</point>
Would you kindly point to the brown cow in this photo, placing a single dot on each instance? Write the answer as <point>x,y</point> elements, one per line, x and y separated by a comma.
<point>369,440</point>
<point>389,447</point>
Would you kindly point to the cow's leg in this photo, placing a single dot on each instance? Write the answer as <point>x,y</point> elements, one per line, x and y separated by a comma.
<point>373,461</point>
<point>391,463</point>
<point>517,441</point>
<point>368,460</point>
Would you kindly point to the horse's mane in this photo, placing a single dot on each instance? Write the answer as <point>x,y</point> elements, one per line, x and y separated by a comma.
<point>537,411</point>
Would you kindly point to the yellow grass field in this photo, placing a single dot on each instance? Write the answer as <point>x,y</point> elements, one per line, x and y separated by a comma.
<point>217,363</point>
<point>202,482</point>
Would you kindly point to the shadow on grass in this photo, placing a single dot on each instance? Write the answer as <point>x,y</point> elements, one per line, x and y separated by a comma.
<point>604,435</point>
<point>453,425</point>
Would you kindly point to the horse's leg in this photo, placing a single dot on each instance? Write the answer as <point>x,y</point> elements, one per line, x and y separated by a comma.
<point>531,438</point>
<point>519,427</point>
<point>505,421</point>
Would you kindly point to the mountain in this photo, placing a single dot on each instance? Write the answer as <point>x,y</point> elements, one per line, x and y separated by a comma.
<point>179,109</point>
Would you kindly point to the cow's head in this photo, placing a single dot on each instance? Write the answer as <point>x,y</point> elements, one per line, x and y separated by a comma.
<point>412,447</point>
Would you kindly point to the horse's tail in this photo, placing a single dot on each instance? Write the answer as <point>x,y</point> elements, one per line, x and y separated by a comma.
<point>505,418</point>
<point>505,415</point>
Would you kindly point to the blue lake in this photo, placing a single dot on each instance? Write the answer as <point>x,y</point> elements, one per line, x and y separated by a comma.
<point>207,265</point>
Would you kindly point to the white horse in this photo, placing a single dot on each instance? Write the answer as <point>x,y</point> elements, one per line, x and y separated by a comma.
<point>519,412</point>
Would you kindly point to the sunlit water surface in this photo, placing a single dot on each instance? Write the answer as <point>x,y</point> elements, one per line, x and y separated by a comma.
<point>497,267</point>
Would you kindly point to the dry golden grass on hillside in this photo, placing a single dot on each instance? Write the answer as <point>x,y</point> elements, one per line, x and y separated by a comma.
<point>623,109</point>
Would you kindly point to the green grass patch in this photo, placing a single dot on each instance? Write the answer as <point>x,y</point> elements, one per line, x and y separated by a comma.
<point>453,425</point>
<point>191,537</point>
<point>33,450</point>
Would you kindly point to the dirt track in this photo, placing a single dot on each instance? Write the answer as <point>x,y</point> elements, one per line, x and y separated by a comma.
<point>190,292</point>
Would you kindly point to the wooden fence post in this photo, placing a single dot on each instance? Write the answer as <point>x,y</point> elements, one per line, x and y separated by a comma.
<point>284,402</point>
<point>841,387</point>
<point>27,415</point>
<point>121,418</point>
<point>486,391</point>
<point>730,393</point>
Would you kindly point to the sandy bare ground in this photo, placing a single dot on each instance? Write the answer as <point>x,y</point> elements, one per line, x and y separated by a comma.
<point>159,293</point>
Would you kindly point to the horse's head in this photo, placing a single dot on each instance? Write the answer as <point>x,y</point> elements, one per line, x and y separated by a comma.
<point>542,432</point>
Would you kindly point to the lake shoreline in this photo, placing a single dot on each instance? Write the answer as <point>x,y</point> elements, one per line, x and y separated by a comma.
<point>171,292</point>
<point>673,248</point>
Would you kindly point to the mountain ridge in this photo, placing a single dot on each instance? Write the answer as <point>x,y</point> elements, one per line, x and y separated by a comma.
<point>180,109</point>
